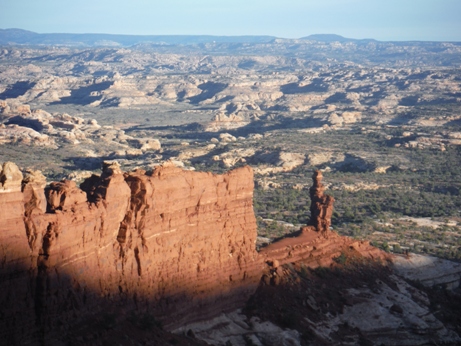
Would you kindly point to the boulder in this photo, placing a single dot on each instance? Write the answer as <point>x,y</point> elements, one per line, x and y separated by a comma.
<point>10,177</point>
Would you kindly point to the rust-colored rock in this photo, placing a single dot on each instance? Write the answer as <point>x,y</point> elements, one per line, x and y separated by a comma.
<point>178,244</point>
<point>314,249</point>
<point>64,195</point>
<point>316,245</point>
<point>321,205</point>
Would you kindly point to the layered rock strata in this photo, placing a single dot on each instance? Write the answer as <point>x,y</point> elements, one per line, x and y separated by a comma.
<point>178,244</point>
<point>315,250</point>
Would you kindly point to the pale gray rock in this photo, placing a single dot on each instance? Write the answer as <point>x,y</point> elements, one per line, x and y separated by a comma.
<point>429,270</point>
<point>234,327</point>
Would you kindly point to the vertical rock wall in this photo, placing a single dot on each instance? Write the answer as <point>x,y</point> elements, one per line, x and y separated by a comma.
<point>178,244</point>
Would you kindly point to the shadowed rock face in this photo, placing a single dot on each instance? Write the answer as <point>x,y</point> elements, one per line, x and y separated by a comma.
<point>178,244</point>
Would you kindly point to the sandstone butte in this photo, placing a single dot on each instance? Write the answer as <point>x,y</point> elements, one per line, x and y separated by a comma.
<point>177,244</point>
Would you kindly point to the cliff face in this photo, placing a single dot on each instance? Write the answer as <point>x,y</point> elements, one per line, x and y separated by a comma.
<point>176,243</point>
<point>179,244</point>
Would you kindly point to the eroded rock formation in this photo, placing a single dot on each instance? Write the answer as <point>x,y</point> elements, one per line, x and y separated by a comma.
<point>176,243</point>
<point>179,245</point>
<point>321,205</point>
<point>316,245</point>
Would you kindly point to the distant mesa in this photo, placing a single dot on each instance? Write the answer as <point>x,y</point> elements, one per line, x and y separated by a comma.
<point>334,38</point>
<point>19,36</point>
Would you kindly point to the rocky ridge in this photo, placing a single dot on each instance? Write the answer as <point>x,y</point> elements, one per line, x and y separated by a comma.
<point>38,127</point>
<point>236,89</point>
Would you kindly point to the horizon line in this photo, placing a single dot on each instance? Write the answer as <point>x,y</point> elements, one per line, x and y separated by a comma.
<point>229,35</point>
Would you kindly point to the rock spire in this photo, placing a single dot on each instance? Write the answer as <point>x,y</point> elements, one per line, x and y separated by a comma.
<point>321,205</point>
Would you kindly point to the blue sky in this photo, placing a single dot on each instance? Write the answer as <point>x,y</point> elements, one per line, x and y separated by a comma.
<point>380,19</point>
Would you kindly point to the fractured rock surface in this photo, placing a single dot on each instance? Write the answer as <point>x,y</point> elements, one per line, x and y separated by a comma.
<point>177,243</point>
<point>428,270</point>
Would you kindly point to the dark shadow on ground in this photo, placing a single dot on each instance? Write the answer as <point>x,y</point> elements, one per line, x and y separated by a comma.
<point>454,124</point>
<point>52,309</point>
<point>15,90</point>
<point>197,130</point>
<point>34,124</point>
<point>209,89</point>
<point>402,119</point>
<point>82,96</point>
<point>416,100</point>
<point>338,98</point>
<point>317,85</point>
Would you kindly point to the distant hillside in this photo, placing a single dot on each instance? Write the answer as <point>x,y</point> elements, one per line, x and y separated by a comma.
<point>333,38</point>
<point>19,36</point>
<point>253,44</point>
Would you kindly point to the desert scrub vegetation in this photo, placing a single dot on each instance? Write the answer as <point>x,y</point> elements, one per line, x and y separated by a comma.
<point>428,187</point>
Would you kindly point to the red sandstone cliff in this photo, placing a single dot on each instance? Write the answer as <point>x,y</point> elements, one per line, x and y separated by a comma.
<point>176,243</point>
